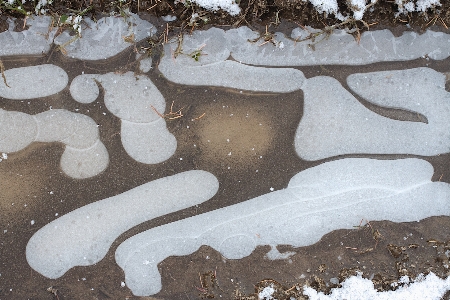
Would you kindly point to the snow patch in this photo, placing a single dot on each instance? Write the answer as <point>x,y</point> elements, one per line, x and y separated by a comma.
<point>430,287</point>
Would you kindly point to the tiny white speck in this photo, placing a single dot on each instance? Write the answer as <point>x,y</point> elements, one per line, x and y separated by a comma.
<point>228,140</point>
<point>260,157</point>
<point>228,168</point>
<point>122,284</point>
<point>51,192</point>
<point>187,126</point>
<point>4,156</point>
<point>181,158</point>
<point>272,189</point>
<point>256,171</point>
<point>229,154</point>
<point>57,215</point>
<point>104,114</point>
<point>32,222</point>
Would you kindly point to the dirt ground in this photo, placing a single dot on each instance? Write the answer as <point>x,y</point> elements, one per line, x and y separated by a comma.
<point>33,187</point>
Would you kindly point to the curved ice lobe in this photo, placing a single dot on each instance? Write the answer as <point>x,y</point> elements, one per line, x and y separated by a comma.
<point>235,75</point>
<point>85,163</point>
<point>419,90</point>
<point>84,155</point>
<point>106,37</point>
<point>132,98</point>
<point>83,236</point>
<point>33,82</point>
<point>17,130</point>
<point>331,196</point>
<point>338,47</point>
<point>335,123</point>
<point>84,89</point>
<point>148,143</point>
<point>137,102</point>
<point>37,39</point>
<point>201,59</point>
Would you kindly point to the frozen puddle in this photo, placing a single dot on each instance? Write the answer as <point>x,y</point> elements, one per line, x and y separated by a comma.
<point>102,39</point>
<point>333,195</point>
<point>106,37</point>
<point>222,58</point>
<point>35,40</point>
<point>136,101</point>
<point>203,61</point>
<point>83,236</point>
<point>347,189</point>
<point>336,123</point>
<point>84,155</point>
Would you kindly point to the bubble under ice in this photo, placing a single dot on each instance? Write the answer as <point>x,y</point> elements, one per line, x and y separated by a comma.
<point>331,196</point>
<point>84,154</point>
<point>334,122</point>
<point>83,236</point>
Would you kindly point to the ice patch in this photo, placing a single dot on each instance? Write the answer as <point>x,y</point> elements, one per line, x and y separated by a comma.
<point>83,236</point>
<point>34,40</point>
<point>106,37</point>
<point>336,123</point>
<point>203,61</point>
<point>148,143</point>
<point>84,155</point>
<point>204,57</point>
<point>347,189</point>
<point>33,82</point>
<point>84,89</point>
<point>234,75</point>
<point>136,101</point>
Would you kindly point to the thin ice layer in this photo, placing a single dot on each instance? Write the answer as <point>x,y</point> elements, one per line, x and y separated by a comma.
<point>105,37</point>
<point>140,106</point>
<point>334,122</point>
<point>202,60</point>
<point>148,143</point>
<point>33,82</point>
<point>83,236</point>
<point>36,39</point>
<point>299,215</point>
<point>84,154</point>
<point>337,47</point>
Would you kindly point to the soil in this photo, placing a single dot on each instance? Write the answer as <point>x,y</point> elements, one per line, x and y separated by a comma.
<point>33,187</point>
